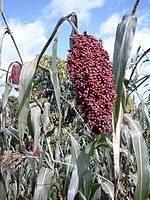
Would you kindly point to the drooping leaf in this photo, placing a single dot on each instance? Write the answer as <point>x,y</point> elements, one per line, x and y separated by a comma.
<point>122,47</point>
<point>107,185</point>
<point>36,124</point>
<point>26,77</point>
<point>142,158</point>
<point>44,183</point>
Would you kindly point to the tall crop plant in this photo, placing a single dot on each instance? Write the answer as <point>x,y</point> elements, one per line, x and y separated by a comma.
<point>74,131</point>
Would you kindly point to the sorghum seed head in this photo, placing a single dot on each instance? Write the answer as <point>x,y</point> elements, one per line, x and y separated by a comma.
<point>15,73</point>
<point>91,72</point>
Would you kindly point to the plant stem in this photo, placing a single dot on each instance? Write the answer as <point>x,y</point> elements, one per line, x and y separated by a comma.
<point>135,7</point>
<point>62,19</point>
<point>9,32</point>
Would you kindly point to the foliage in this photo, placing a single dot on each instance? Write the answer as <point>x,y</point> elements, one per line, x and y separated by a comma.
<point>47,151</point>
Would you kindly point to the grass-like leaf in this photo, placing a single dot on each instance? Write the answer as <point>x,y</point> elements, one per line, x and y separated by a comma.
<point>123,43</point>
<point>142,158</point>
<point>44,182</point>
<point>26,76</point>
<point>80,169</point>
<point>36,123</point>
<point>54,77</point>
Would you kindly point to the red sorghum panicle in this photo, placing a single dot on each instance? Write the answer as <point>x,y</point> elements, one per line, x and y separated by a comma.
<point>91,72</point>
<point>15,73</point>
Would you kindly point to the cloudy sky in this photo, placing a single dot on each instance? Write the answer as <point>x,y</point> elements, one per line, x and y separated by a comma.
<point>32,22</point>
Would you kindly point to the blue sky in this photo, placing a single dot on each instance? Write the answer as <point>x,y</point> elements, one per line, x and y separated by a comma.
<point>32,22</point>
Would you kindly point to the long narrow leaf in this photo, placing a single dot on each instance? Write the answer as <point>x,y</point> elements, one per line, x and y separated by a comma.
<point>142,158</point>
<point>25,84</point>
<point>123,43</point>
<point>8,89</point>
<point>107,186</point>
<point>36,122</point>
<point>116,147</point>
<point>54,77</point>
<point>44,183</point>
<point>80,169</point>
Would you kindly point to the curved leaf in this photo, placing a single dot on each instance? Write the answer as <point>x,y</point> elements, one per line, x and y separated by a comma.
<point>107,186</point>
<point>142,158</point>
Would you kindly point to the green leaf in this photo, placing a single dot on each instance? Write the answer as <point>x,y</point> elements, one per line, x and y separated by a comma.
<point>122,47</point>
<point>75,148</point>
<point>107,186</point>
<point>7,91</point>
<point>116,146</point>
<point>81,168</point>
<point>54,77</point>
<point>74,184</point>
<point>87,184</point>
<point>95,191</point>
<point>2,187</point>
<point>12,132</point>
<point>44,183</point>
<point>142,158</point>
<point>36,124</point>
<point>26,77</point>
<point>46,115</point>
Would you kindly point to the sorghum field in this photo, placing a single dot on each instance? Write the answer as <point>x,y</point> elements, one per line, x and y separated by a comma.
<point>75,130</point>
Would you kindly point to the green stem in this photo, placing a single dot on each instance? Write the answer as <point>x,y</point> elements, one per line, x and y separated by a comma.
<point>62,19</point>
<point>135,7</point>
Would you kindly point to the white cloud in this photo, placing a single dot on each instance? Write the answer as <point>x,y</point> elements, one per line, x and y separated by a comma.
<point>81,7</point>
<point>109,26</point>
<point>30,39</point>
